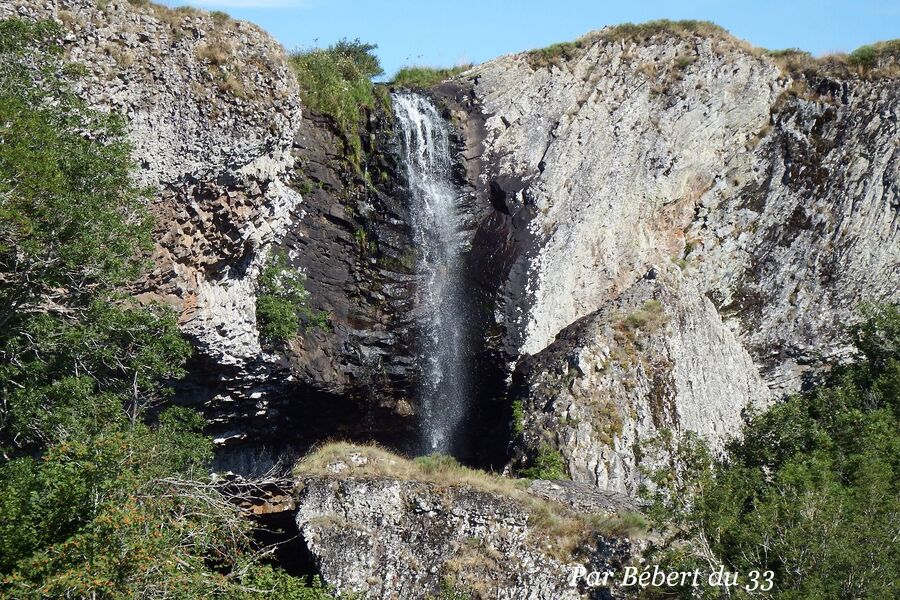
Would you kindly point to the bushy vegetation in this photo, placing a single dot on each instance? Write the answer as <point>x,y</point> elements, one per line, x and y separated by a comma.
<point>878,60</point>
<point>282,302</point>
<point>810,492</point>
<point>548,463</point>
<point>337,81</point>
<point>518,418</point>
<point>425,77</point>
<point>100,496</point>
<point>869,56</point>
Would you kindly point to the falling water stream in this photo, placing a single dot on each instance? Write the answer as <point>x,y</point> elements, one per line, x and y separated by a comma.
<point>425,149</point>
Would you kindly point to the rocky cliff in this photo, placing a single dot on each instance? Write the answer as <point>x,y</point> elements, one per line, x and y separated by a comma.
<point>664,228</point>
<point>388,528</point>
<point>754,205</point>
<point>237,169</point>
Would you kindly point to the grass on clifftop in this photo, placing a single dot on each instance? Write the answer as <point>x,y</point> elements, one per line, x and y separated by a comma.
<point>881,59</point>
<point>425,77</point>
<point>337,81</point>
<point>635,32</point>
<point>564,528</point>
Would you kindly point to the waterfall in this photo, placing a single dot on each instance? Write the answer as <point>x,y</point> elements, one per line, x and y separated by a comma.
<point>435,219</point>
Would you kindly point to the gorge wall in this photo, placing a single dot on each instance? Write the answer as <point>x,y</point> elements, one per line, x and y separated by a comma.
<point>661,227</point>
<point>237,170</point>
<point>654,229</point>
<point>689,229</point>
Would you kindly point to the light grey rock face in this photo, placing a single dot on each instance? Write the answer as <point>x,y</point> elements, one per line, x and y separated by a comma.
<point>776,197</point>
<point>617,146</point>
<point>211,110</point>
<point>657,357</point>
<point>806,227</point>
<point>389,538</point>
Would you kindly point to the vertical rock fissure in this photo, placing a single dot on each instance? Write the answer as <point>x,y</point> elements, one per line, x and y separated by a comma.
<point>425,148</point>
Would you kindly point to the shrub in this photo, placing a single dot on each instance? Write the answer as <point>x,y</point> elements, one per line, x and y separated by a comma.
<point>864,56</point>
<point>435,463</point>
<point>880,58</point>
<point>518,418</point>
<point>648,317</point>
<point>337,81</point>
<point>810,492</point>
<point>282,302</point>
<point>425,77</point>
<point>547,464</point>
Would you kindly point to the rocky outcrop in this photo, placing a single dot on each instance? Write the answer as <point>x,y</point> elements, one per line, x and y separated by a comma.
<point>211,109</point>
<point>377,525</point>
<point>214,118</point>
<point>766,202</point>
<point>658,357</point>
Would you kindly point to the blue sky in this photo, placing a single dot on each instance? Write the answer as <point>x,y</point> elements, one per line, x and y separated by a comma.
<point>448,32</point>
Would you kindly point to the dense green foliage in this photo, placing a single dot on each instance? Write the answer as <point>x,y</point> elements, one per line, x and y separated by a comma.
<point>282,302</point>
<point>868,56</point>
<point>518,418</point>
<point>100,497</point>
<point>337,81</point>
<point>70,220</point>
<point>425,77</point>
<point>812,490</point>
<point>547,464</point>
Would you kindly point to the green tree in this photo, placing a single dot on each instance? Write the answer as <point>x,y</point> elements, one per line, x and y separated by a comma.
<point>282,302</point>
<point>99,496</point>
<point>810,491</point>
<point>71,221</point>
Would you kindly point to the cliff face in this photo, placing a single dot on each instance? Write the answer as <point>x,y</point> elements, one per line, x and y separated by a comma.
<point>211,110</point>
<point>663,228</point>
<point>763,204</point>
<point>235,170</point>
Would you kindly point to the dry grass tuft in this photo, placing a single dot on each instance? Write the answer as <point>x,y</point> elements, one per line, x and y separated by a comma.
<point>637,33</point>
<point>215,51</point>
<point>563,531</point>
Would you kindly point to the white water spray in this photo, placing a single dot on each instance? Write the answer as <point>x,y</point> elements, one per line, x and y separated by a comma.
<point>425,140</point>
